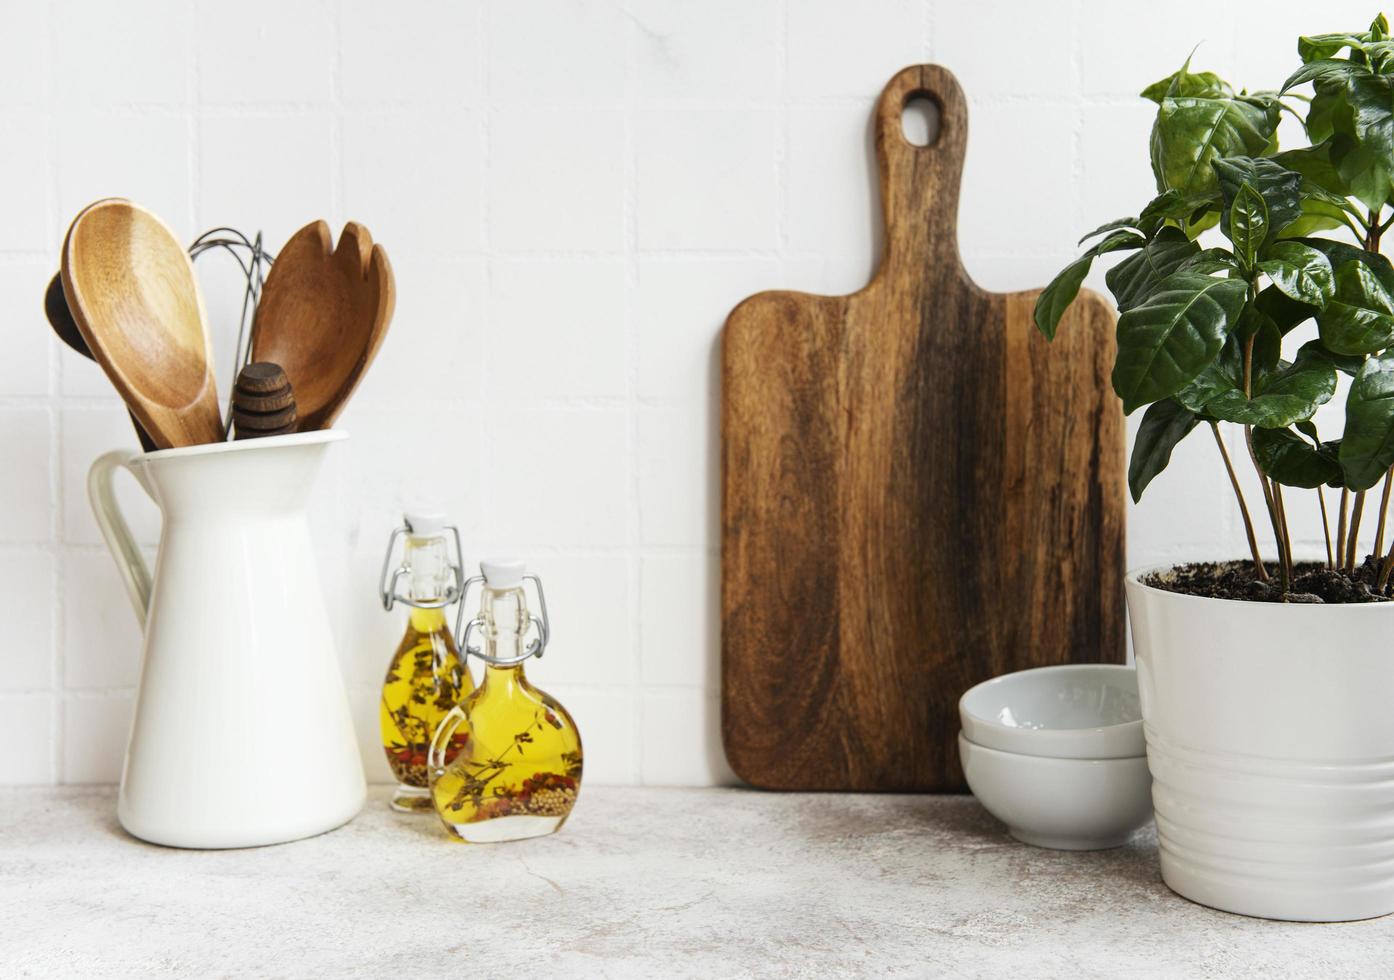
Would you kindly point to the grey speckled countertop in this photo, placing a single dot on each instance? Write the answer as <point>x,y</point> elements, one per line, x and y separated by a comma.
<point>641,882</point>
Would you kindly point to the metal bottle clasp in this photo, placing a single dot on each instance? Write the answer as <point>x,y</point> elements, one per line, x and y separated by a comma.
<point>387,587</point>
<point>534,649</point>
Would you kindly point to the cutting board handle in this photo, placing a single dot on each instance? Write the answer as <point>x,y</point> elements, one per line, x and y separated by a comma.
<point>919,184</point>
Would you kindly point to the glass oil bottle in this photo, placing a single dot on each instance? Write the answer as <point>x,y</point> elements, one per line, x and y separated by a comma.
<point>427,676</point>
<point>516,764</point>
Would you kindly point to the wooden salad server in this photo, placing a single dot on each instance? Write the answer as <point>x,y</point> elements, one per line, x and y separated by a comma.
<point>131,290</point>
<point>323,315</point>
<point>918,493</point>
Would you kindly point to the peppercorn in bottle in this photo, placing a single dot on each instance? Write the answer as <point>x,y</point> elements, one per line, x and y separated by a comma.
<point>505,763</point>
<point>427,676</point>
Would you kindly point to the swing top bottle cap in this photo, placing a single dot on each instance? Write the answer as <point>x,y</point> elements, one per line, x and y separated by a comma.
<point>424,523</point>
<point>503,573</point>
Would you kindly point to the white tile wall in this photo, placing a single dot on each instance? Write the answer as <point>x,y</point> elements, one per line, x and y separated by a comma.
<point>573,195</point>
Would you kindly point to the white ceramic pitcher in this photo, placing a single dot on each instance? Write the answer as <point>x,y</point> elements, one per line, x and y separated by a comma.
<point>242,733</point>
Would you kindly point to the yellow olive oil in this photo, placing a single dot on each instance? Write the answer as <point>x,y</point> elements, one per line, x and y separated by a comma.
<point>506,762</point>
<point>516,768</point>
<point>424,681</point>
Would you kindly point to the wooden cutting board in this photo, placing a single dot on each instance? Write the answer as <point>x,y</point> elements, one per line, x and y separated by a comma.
<point>918,493</point>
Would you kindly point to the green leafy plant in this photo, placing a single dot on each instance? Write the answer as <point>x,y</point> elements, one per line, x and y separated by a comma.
<point>1201,330</point>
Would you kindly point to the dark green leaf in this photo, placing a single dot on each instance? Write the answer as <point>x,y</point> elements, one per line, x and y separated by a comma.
<point>1320,46</point>
<point>1171,337</point>
<point>1324,190</point>
<point>1186,82</point>
<point>1314,163</point>
<point>1285,311</point>
<point>1363,171</point>
<point>1294,462</point>
<point>1224,373</point>
<point>1110,226</point>
<point>1173,206</point>
<point>1132,280</point>
<point>1299,271</point>
<point>1372,105</point>
<point>1212,260</point>
<point>1381,55</point>
<point>1268,339</point>
<point>1056,298</point>
<point>1062,290</point>
<point>1164,424</point>
<point>1327,108</point>
<point>1326,68</point>
<point>1246,224</point>
<point>1290,394</point>
<point>1280,188</point>
<point>1203,219</point>
<point>1319,218</point>
<point>1191,133</point>
<point>1359,317</point>
<point>1339,253</point>
<point>1349,364</point>
<point>1367,448</point>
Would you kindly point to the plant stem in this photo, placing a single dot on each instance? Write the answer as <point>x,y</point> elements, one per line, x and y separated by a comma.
<point>1383,512</point>
<point>1325,527</point>
<point>1385,568</point>
<point>1341,528</point>
<point>1249,444</point>
<point>1267,492</point>
<point>1286,567</point>
<point>1353,544</point>
<point>1243,507</point>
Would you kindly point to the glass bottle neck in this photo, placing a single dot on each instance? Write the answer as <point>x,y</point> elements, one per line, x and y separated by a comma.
<point>505,623</point>
<point>505,678</point>
<point>428,568</point>
<point>427,620</point>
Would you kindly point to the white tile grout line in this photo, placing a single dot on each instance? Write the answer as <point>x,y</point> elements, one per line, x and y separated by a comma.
<point>1076,42</point>
<point>337,150</point>
<point>484,31</point>
<point>634,515</point>
<point>194,157</point>
<point>57,639</point>
<point>782,148</point>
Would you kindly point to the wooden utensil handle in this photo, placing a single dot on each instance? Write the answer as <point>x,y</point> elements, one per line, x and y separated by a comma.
<point>919,184</point>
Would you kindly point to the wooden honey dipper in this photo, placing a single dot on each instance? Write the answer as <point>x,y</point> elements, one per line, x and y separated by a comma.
<point>263,403</point>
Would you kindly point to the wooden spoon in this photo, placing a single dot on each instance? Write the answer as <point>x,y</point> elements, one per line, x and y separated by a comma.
<point>323,315</point>
<point>60,318</point>
<point>131,289</point>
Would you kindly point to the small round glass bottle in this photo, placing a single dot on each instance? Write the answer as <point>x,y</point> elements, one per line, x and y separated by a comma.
<point>427,676</point>
<point>516,766</point>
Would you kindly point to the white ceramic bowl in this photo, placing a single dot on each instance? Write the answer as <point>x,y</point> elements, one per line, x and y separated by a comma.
<point>1069,804</point>
<point>1073,711</point>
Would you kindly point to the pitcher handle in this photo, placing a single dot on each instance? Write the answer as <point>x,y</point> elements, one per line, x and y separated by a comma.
<point>129,561</point>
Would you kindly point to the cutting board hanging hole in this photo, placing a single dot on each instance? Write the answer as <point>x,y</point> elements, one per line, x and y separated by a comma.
<point>919,120</point>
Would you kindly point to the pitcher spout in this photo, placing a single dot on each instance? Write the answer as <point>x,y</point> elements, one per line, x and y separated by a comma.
<point>206,482</point>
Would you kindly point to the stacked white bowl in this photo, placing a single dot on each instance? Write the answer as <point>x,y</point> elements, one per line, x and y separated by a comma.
<point>1057,754</point>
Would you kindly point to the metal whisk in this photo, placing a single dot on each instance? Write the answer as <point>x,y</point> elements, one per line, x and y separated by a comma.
<point>254,261</point>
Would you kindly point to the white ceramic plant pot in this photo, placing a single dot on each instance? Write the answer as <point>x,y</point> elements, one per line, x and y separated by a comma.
<point>1270,737</point>
<point>242,733</point>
